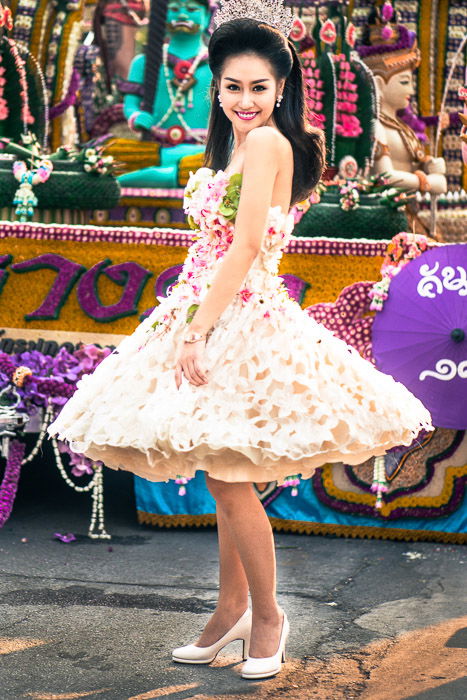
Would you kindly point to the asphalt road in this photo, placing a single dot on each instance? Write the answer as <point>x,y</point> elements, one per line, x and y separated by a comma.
<point>98,619</point>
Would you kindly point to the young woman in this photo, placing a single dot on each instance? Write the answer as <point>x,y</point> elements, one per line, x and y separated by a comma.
<point>228,374</point>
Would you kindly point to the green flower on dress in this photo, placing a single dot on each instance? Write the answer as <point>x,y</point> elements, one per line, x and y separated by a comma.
<point>191,312</point>
<point>191,222</point>
<point>229,205</point>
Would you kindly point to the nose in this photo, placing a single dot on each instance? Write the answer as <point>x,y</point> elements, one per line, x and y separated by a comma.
<point>245,100</point>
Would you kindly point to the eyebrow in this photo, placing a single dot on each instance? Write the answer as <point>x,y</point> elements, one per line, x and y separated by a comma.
<point>261,80</point>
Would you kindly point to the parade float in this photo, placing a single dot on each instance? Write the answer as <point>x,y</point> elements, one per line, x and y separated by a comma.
<point>71,288</point>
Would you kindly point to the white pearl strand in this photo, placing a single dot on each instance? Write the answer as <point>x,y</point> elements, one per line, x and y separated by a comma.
<point>96,484</point>
<point>174,97</point>
<point>44,96</point>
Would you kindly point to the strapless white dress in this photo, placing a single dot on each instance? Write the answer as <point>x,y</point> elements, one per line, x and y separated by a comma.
<point>284,395</point>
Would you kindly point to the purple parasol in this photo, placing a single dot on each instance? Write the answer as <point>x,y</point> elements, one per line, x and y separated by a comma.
<point>420,336</point>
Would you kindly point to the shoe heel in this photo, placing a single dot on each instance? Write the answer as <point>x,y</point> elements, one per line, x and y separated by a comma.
<point>283,656</point>
<point>246,648</point>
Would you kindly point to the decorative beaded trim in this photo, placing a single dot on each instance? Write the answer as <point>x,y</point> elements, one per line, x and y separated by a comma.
<point>172,237</point>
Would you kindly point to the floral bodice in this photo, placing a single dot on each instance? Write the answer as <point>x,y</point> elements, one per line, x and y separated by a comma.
<point>211,202</point>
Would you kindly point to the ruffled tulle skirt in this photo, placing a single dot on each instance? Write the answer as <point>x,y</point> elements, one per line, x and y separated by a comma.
<point>284,396</point>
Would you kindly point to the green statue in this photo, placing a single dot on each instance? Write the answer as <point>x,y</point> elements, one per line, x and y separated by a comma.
<point>180,111</point>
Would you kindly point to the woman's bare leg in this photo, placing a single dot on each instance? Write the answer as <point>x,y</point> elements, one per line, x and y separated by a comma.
<point>251,533</point>
<point>233,586</point>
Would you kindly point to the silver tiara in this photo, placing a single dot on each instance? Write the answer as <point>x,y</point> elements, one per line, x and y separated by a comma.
<point>270,12</point>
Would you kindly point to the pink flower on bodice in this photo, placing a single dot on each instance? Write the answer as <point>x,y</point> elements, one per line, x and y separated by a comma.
<point>205,194</point>
<point>211,202</point>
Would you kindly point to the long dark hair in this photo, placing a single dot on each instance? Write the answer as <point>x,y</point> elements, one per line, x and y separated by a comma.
<point>250,36</point>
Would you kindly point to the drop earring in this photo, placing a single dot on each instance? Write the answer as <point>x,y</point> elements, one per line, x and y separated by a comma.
<point>219,98</point>
<point>279,100</point>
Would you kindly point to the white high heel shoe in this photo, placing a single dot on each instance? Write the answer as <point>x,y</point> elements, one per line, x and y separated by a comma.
<point>263,667</point>
<point>191,654</point>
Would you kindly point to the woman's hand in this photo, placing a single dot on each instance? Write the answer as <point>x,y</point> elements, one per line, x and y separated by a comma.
<point>190,363</point>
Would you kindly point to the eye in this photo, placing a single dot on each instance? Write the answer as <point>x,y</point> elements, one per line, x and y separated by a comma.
<point>232,86</point>
<point>259,88</point>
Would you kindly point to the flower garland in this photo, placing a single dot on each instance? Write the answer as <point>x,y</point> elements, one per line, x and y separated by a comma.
<point>9,485</point>
<point>66,128</point>
<point>185,72</point>
<point>40,74</point>
<point>4,110</point>
<point>34,386</point>
<point>24,21</point>
<point>313,85</point>
<point>347,124</point>
<point>403,248</point>
<point>38,44</point>
<point>26,115</point>
<point>52,51</point>
<point>6,17</point>
<point>379,485</point>
<point>24,197</point>
<point>88,64</point>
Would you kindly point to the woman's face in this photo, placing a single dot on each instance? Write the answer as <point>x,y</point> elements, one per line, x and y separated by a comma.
<point>248,89</point>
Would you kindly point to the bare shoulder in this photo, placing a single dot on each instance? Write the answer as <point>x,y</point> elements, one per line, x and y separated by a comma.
<point>268,139</point>
<point>267,136</point>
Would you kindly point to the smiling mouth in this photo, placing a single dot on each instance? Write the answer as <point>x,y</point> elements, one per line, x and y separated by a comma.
<point>247,116</point>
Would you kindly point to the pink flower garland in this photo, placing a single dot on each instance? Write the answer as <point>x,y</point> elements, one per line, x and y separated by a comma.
<point>313,88</point>
<point>26,115</point>
<point>4,111</point>
<point>347,123</point>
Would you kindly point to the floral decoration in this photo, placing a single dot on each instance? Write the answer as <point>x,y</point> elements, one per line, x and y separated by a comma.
<point>347,122</point>
<point>328,33</point>
<point>26,116</point>
<point>350,197</point>
<point>403,248</point>
<point>298,31</point>
<point>43,381</point>
<point>314,88</point>
<point>6,18</point>
<point>347,317</point>
<point>4,111</point>
<point>229,205</point>
<point>9,484</point>
<point>211,202</point>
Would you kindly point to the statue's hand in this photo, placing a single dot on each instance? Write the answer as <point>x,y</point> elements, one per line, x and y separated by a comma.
<point>437,183</point>
<point>142,120</point>
<point>436,166</point>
